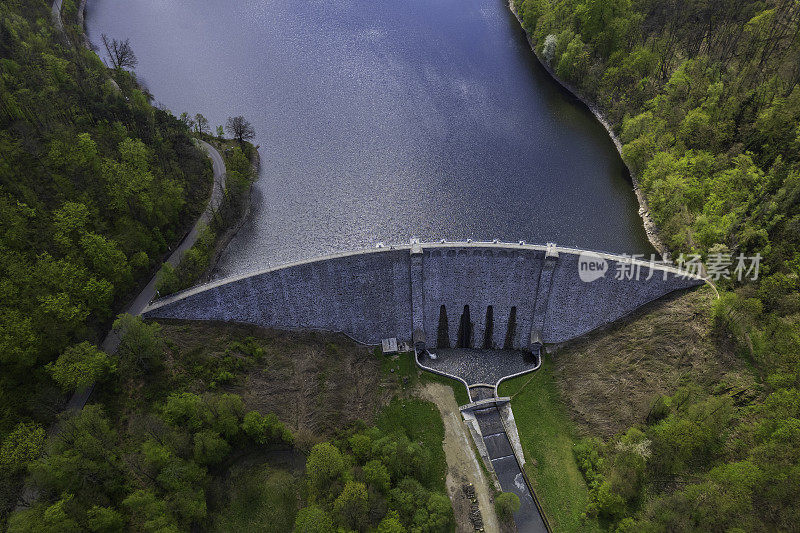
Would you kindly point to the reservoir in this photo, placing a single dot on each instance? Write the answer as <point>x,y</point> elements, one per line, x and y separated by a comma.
<point>378,121</point>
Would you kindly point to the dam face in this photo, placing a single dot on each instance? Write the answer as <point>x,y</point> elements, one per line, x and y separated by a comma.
<point>484,295</point>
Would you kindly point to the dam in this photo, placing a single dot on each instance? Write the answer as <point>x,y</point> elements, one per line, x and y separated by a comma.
<point>483,304</point>
<point>460,294</point>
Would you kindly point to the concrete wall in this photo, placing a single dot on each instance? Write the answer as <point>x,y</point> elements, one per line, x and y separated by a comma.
<point>368,295</point>
<point>480,277</point>
<point>363,295</point>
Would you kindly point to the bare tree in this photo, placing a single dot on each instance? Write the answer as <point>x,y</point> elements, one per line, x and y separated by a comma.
<point>120,53</point>
<point>240,129</point>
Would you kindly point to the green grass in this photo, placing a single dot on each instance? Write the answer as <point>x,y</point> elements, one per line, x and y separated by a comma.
<point>404,366</point>
<point>421,422</point>
<point>259,498</point>
<point>548,435</point>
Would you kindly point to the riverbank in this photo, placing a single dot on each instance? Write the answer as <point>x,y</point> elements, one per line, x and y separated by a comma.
<point>650,227</point>
<point>242,207</point>
<point>228,216</point>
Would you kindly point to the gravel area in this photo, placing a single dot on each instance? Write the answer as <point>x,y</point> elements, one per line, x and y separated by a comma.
<point>478,366</point>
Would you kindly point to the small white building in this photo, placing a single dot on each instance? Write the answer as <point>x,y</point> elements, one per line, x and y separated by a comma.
<point>389,346</point>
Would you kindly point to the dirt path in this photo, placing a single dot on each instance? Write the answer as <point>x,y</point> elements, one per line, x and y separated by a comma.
<point>462,465</point>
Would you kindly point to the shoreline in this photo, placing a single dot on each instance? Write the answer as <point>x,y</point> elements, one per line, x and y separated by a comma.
<point>82,23</point>
<point>650,227</point>
<point>224,240</point>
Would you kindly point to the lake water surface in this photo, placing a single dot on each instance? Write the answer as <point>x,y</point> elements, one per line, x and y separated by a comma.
<point>381,120</point>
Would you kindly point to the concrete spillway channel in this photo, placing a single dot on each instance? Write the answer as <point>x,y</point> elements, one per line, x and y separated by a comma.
<point>491,422</point>
<point>507,467</point>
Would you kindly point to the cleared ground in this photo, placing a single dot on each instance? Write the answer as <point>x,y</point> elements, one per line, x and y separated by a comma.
<point>609,379</point>
<point>316,383</point>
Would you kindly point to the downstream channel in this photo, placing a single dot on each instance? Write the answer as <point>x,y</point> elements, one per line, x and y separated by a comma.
<point>378,121</point>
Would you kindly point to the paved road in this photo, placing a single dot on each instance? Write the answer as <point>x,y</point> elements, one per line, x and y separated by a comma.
<point>56,13</point>
<point>111,342</point>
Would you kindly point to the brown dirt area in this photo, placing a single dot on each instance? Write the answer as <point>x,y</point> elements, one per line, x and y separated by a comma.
<point>315,382</point>
<point>609,379</point>
<point>462,464</point>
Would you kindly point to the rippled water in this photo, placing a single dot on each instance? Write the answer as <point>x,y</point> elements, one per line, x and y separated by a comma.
<point>380,120</point>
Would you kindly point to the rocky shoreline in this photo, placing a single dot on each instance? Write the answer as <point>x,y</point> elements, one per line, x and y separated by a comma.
<point>650,227</point>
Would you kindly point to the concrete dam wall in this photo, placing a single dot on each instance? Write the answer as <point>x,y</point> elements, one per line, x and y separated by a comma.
<point>490,295</point>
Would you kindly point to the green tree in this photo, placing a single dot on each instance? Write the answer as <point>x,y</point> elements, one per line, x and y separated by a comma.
<point>187,120</point>
<point>266,429</point>
<point>19,342</point>
<point>180,482</point>
<point>21,446</point>
<point>167,280</point>
<point>376,475</point>
<point>141,346</point>
<point>81,365</point>
<point>313,520</point>
<point>106,259</point>
<point>351,505</point>
<point>70,222</point>
<point>149,512</point>
<point>128,182</point>
<point>440,512</point>
<point>391,524</point>
<point>506,504</point>
<point>82,458</point>
<point>324,465</point>
<point>209,447</point>
<point>55,518</point>
<point>105,520</point>
<point>186,410</point>
<point>361,444</point>
<point>226,412</point>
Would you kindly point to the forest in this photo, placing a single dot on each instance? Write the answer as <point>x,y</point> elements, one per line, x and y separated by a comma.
<point>705,98</point>
<point>96,184</point>
<point>155,449</point>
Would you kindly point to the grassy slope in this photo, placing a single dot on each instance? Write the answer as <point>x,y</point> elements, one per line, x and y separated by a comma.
<point>547,436</point>
<point>609,379</point>
<point>259,496</point>
<point>404,367</point>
